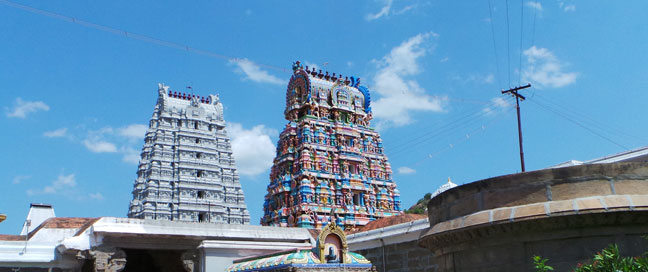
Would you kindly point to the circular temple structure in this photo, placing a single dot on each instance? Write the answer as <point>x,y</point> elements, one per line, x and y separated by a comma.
<point>563,214</point>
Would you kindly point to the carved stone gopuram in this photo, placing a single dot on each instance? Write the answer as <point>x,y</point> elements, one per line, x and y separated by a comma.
<point>187,171</point>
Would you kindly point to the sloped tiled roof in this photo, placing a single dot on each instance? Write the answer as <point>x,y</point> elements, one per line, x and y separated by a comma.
<point>5,237</point>
<point>80,223</point>
<point>391,220</point>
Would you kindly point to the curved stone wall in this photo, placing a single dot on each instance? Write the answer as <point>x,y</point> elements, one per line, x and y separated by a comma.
<point>566,214</point>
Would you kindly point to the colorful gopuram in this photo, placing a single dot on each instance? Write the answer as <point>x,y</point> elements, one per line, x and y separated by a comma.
<point>330,165</point>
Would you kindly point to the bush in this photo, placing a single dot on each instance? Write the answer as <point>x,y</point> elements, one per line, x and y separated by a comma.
<point>609,259</point>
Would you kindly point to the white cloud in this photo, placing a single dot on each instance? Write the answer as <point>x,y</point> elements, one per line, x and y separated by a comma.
<point>253,149</point>
<point>95,141</point>
<point>19,179</point>
<point>61,132</point>
<point>130,155</point>
<point>22,108</point>
<point>60,185</point>
<point>311,65</point>
<point>444,59</point>
<point>566,7</point>
<point>497,105</point>
<point>398,95</point>
<point>134,131</point>
<point>475,78</point>
<point>99,146</point>
<point>545,70</point>
<point>406,170</point>
<point>490,78</point>
<point>96,196</point>
<point>384,11</point>
<point>534,5</point>
<point>253,72</point>
<point>405,9</point>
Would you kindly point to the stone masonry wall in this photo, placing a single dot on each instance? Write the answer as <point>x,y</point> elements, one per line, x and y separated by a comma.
<point>408,256</point>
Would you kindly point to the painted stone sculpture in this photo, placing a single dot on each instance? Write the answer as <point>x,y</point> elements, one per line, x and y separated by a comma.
<point>330,165</point>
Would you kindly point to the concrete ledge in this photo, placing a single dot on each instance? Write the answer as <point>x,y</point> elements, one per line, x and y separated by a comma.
<point>560,184</point>
<point>596,204</point>
<point>124,227</point>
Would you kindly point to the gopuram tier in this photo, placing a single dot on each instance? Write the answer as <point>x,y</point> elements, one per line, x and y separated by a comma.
<point>187,171</point>
<point>330,165</point>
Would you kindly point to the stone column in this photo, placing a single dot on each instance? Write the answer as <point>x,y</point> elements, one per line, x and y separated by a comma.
<point>189,260</point>
<point>108,259</point>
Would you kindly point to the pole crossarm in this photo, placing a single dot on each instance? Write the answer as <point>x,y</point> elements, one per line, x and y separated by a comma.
<point>518,97</point>
<point>514,91</point>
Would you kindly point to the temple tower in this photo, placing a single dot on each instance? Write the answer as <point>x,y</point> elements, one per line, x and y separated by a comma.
<point>330,165</point>
<point>187,171</point>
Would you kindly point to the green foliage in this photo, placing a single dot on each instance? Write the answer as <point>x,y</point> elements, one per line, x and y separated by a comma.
<point>421,205</point>
<point>609,259</point>
<point>415,210</point>
<point>541,264</point>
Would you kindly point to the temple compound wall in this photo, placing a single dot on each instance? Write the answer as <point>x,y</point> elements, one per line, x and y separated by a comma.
<point>110,244</point>
<point>330,164</point>
<point>563,214</point>
<point>187,171</point>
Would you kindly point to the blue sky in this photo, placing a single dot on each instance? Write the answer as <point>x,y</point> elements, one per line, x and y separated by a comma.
<point>74,98</point>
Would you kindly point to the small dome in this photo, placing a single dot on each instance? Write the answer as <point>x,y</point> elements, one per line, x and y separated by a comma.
<point>447,186</point>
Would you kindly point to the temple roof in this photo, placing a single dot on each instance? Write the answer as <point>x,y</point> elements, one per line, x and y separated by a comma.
<point>447,186</point>
<point>391,220</point>
<point>294,258</point>
<point>329,85</point>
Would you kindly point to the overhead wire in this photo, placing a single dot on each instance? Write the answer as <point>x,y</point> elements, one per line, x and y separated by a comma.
<point>443,130</point>
<point>497,66</point>
<point>535,13</point>
<point>434,130</point>
<point>465,138</point>
<point>135,36</point>
<point>585,118</point>
<point>508,45</point>
<point>521,41</point>
<point>577,123</point>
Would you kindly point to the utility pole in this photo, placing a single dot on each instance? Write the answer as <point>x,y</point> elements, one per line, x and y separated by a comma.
<point>518,97</point>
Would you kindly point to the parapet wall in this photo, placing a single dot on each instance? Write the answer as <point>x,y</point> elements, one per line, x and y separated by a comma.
<point>509,219</point>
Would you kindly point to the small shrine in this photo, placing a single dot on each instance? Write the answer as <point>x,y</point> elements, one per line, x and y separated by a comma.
<point>330,165</point>
<point>330,254</point>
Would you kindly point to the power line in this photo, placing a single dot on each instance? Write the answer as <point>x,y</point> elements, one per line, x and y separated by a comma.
<point>578,124</point>
<point>132,35</point>
<point>435,131</point>
<point>535,13</point>
<point>497,67</point>
<point>465,139</point>
<point>441,131</point>
<point>610,128</point>
<point>521,40</point>
<point>508,45</point>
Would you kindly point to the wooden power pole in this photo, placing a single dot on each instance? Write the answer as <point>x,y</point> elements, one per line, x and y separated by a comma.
<point>518,97</point>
